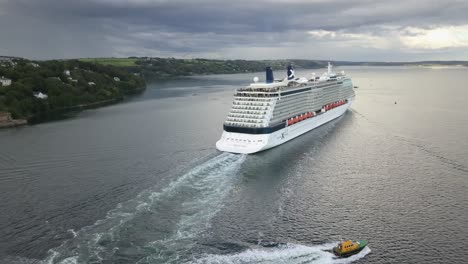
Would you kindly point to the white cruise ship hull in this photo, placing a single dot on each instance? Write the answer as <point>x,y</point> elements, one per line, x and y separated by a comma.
<point>252,143</point>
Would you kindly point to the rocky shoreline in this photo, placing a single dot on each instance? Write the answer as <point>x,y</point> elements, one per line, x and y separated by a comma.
<point>6,121</point>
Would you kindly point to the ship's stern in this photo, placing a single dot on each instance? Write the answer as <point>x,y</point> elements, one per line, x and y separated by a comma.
<point>242,143</point>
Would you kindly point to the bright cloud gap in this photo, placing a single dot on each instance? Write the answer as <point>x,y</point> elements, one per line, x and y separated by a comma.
<point>354,30</point>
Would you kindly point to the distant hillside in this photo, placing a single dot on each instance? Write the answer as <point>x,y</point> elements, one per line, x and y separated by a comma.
<point>171,67</point>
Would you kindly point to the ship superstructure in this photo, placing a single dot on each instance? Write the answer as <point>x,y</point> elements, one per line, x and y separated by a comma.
<point>264,115</point>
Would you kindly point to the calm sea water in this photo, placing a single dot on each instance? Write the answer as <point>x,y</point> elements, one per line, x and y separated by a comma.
<point>141,182</point>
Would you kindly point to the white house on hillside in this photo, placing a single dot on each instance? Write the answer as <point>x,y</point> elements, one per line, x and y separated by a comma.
<point>40,95</point>
<point>5,81</point>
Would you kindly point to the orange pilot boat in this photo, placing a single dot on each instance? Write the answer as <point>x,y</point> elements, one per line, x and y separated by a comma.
<point>348,248</point>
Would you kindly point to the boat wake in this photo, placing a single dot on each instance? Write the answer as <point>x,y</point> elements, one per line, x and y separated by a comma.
<point>286,253</point>
<point>156,226</point>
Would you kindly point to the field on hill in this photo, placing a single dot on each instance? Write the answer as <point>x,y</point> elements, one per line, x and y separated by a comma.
<point>119,62</point>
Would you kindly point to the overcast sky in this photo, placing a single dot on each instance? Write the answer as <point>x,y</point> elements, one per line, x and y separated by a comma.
<point>360,30</point>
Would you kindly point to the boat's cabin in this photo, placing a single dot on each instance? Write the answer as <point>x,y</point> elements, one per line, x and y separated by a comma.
<point>347,246</point>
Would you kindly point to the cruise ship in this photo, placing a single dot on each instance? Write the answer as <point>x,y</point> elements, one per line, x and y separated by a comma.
<point>267,114</point>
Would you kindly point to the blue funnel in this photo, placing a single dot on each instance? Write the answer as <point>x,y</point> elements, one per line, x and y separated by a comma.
<point>290,72</point>
<point>269,75</point>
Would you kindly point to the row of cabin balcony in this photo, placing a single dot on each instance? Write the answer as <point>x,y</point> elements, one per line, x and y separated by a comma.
<point>253,102</point>
<point>247,108</point>
<point>254,108</point>
<point>252,99</point>
<point>245,120</point>
<point>254,112</point>
<point>250,103</point>
<point>257,116</point>
<point>240,124</point>
<point>265,90</point>
<point>256,95</point>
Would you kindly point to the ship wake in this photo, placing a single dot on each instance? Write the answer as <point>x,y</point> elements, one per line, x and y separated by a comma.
<point>287,253</point>
<point>168,220</point>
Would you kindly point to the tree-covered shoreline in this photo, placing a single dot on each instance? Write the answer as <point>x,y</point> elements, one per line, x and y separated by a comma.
<point>66,84</point>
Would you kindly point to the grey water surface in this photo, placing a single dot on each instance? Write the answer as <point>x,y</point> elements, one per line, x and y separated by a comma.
<point>141,181</point>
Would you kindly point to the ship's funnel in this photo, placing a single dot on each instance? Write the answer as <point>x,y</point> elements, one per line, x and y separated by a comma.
<point>290,72</point>
<point>269,75</point>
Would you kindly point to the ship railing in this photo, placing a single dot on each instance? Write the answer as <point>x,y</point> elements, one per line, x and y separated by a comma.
<point>241,124</point>
<point>253,99</point>
<point>260,89</point>
<point>246,120</point>
<point>251,103</point>
<point>256,113</point>
<point>251,107</point>
<point>242,115</point>
<point>255,94</point>
<point>248,111</point>
<point>247,108</point>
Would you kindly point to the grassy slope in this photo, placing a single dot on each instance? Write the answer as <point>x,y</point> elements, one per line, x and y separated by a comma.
<point>119,62</point>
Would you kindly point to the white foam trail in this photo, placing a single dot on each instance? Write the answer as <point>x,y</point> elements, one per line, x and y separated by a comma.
<point>72,232</point>
<point>71,260</point>
<point>289,253</point>
<point>208,183</point>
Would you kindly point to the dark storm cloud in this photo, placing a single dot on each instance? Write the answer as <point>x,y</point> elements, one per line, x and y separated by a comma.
<point>58,28</point>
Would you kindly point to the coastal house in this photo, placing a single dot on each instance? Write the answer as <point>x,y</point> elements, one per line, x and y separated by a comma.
<point>91,83</point>
<point>35,65</point>
<point>117,79</point>
<point>66,72</point>
<point>40,95</point>
<point>5,81</point>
